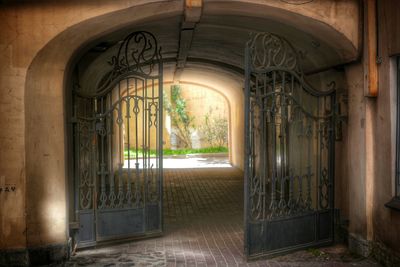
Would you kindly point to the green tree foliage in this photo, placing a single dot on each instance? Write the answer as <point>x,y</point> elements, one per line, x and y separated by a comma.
<point>180,117</point>
<point>215,130</point>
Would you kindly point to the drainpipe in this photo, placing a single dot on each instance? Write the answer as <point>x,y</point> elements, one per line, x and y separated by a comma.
<point>371,48</point>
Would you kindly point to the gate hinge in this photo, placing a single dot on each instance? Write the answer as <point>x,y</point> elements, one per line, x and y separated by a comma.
<point>73,120</point>
<point>340,114</point>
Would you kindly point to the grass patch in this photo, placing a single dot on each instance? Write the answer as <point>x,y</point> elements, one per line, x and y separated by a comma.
<point>173,152</point>
<point>316,252</point>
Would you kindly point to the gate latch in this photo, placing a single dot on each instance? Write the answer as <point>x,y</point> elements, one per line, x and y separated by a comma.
<point>74,226</point>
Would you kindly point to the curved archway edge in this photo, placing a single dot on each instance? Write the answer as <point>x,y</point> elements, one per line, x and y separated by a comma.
<point>46,117</point>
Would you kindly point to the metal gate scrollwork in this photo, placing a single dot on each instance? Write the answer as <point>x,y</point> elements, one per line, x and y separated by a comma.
<point>289,157</point>
<point>118,146</point>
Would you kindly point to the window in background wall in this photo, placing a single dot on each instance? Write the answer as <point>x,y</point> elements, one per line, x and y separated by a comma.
<point>395,202</point>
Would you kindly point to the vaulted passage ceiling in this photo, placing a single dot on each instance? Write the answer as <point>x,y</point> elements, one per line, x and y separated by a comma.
<point>209,38</point>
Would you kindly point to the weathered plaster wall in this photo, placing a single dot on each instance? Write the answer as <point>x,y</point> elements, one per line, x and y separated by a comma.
<point>385,222</point>
<point>356,149</point>
<point>370,145</point>
<point>37,41</point>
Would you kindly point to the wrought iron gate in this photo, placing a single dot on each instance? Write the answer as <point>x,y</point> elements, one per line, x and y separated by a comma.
<point>289,162</point>
<point>118,146</point>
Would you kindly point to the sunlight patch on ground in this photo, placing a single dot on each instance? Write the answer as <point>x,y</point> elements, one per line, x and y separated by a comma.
<point>188,162</point>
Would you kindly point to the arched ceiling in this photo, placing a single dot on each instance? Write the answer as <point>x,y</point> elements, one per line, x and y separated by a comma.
<point>218,40</point>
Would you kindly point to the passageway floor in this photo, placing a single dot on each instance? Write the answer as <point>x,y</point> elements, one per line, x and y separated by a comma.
<point>203,217</point>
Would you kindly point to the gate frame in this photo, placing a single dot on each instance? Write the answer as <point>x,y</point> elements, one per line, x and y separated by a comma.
<point>120,71</point>
<point>331,92</point>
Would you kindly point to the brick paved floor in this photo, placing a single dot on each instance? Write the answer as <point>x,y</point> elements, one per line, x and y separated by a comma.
<point>203,213</point>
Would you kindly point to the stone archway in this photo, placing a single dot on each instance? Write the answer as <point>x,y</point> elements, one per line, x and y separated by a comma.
<point>45,97</point>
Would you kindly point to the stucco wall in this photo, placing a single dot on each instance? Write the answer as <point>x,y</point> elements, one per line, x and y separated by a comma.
<point>367,177</point>
<point>385,222</point>
<point>356,149</point>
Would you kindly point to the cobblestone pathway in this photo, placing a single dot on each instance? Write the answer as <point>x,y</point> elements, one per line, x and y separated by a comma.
<point>203,213</point>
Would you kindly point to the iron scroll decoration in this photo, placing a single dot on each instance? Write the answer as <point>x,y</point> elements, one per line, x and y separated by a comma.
<point>138,53</point>
<point>269,51</point>
<point>273,73</point>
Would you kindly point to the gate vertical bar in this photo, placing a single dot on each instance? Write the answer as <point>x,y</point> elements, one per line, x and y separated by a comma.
<point>331,156</point>
<point>160,140</point>
<point>128,134</point>
<point>247,149</point>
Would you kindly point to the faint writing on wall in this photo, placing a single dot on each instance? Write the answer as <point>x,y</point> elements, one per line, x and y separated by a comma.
<point>6,188</point>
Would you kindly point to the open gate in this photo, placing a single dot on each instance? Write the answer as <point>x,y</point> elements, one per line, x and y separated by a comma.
<point>289,156</point>
<point>118,147</point>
